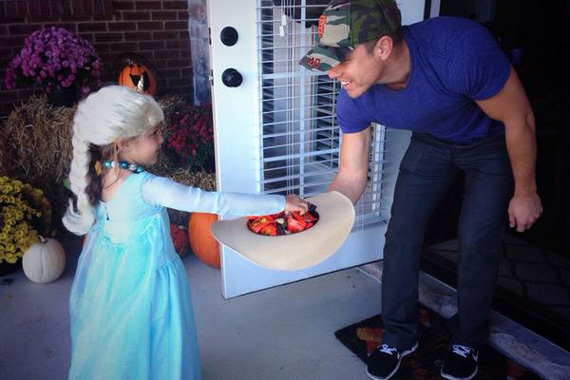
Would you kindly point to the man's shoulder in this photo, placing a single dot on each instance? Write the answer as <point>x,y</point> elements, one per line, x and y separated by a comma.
<point>443,28</point>
<point>444,35</point>
<point>445,23</point>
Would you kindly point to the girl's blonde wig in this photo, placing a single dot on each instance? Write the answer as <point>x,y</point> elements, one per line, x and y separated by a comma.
<point>112,113</point>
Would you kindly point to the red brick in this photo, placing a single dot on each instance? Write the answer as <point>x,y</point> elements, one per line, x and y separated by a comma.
<point>177,44</point>
<point>175,5</point>
<point>56,7</point>
<point>3,31</point>
<point>22,8</point>
<point>102,47</point>
<point>174,81</point>
<point>138,36</point>
<point>22,29</point>
<point>122,26</point>
<point>183,15</point>
<point>150,25</point>
<point>77,8</point>
<point>175,25</point>
<point>72,27</point>
<point>187,72</point>
<point>170,35</point>
<point>34,8</point>
<point>166,54</point>
<point>123,5</point>
<point>153,45</point>
<point>184,35</point>
<point>107,58</point>
<point>136,15</point>
<point>160,65</point>
<point>148,5</point>
<point>50,19</point>
<point>87,7</point>
<point>171,73</point>
<point>124,46</point>
<point>178,63</point>
<point>66,7</point>
<point>102,7</point>
<point>45,8</point>
<point>109,37</point>
<point>92,27</point>
<point>11,9</point>
<point>73,18</point>
<point>164,15</point>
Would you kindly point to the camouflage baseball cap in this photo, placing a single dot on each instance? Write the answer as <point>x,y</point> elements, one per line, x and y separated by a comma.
<point>347,23</point>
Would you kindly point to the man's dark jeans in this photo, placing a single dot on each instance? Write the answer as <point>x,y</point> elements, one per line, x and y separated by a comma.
<point>427,170</point>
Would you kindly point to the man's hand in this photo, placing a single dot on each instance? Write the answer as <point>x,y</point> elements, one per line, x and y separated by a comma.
<point>524,210</point>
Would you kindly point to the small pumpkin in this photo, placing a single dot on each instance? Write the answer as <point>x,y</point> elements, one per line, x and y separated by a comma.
<point>202,242</point>
<point>44,261</point>
<point>138,76</point>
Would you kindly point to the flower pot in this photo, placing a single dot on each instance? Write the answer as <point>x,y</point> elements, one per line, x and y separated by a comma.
<point>7,268</point>
<point>63,97</point>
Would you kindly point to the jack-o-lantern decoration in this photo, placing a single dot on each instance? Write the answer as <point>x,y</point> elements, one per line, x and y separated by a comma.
<point>137,75</point>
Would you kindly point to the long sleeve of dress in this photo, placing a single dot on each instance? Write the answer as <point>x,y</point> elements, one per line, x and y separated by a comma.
<point>160,191</point>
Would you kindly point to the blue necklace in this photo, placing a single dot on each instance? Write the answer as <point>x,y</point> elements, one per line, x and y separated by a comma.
<point>124,165</point>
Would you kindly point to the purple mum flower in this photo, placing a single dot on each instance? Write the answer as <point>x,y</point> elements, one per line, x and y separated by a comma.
<point>54,58</point>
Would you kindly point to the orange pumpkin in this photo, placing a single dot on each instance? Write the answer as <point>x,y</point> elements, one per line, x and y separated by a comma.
<point>136,75</point>
<point>202,242</point>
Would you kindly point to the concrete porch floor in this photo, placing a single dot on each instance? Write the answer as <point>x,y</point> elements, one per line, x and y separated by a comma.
<point>284,333</point>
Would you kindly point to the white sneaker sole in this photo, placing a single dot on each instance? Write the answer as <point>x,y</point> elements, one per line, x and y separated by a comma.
<point>404,354</point>
<point>450,377</point>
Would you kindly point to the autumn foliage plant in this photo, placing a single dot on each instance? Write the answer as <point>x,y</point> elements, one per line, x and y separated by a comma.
<point>190,137</point>
<point>24,214</point>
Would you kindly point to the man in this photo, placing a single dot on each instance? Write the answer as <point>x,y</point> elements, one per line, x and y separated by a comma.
<point>447,81</point>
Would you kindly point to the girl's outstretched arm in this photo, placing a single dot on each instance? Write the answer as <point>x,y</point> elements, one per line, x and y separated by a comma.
<point>160,191</point>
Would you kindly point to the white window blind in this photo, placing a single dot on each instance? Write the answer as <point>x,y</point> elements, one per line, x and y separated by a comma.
<point>299,134</point>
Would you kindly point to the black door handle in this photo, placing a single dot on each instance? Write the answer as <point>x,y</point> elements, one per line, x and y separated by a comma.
<point>231,78</point>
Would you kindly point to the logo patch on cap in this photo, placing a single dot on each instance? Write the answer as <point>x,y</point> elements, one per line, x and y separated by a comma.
<point>321,27</point>
<point>314,62</point>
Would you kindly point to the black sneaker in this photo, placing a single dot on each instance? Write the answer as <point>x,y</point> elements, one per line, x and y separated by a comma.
<point>384,361</point>
<point>461,363</point>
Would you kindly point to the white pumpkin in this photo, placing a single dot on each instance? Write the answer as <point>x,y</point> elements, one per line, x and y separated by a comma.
<point>44,261</point>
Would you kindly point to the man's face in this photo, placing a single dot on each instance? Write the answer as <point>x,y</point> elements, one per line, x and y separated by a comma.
<point>359,71</point>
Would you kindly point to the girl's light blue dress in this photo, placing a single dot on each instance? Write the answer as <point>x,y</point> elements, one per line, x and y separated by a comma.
<point>131,312</point>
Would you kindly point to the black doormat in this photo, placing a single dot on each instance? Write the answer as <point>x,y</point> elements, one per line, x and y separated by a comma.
<point>425,364</point>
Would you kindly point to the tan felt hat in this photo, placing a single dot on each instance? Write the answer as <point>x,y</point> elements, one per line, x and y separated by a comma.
<point>295,251</point>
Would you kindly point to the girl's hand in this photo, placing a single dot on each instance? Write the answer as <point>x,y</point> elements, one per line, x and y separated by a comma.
<point>296,203</point>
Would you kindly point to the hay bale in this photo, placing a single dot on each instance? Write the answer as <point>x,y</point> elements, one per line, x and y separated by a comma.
<point>36,141</point>
<point>35,147</point>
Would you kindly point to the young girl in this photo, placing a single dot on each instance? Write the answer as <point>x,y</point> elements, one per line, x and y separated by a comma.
<point>131,314</point>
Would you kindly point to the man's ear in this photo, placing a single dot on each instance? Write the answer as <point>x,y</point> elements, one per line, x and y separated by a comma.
<point>383,47</point>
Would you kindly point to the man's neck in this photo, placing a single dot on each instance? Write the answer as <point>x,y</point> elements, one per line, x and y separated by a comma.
<point>399,69</point>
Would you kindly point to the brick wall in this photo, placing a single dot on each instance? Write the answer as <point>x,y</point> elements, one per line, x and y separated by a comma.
<point>156,29</point>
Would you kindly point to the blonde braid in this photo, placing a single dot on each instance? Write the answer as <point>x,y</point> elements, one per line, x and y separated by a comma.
<point>81,220</point>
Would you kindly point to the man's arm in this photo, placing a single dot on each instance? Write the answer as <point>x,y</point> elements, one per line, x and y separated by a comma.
<point>353,168</point>
<point>511,106</point>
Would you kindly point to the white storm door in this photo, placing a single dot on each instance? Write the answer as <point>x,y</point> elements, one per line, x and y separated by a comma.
<point>276,132</point>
